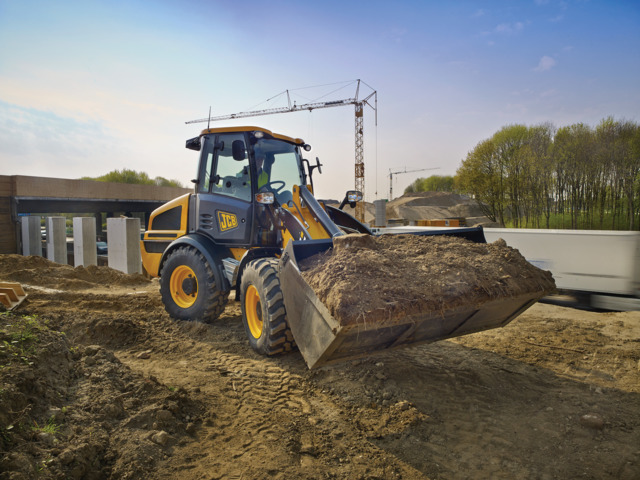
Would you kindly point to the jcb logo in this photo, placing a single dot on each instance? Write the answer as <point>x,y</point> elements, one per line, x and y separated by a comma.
<point>227,221</point>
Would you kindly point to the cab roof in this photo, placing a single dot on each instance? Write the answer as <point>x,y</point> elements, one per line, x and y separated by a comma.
<point>297,141</point>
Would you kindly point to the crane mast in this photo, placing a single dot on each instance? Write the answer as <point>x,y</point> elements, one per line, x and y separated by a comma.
<point>359,105</point>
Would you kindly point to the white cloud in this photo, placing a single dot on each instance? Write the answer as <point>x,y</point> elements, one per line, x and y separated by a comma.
<point>545,63</point>
<point>509,28</point>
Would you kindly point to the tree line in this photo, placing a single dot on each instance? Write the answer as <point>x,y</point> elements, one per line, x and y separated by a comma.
<point>131,176</point>
<point>570,177</point>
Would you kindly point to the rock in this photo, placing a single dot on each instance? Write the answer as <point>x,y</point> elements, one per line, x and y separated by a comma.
<point>67,456</point>
<point>47,438</point>
<point>91,350</point>
<point>160,438</point>
<point>592,420</point>
<point>164,416</point>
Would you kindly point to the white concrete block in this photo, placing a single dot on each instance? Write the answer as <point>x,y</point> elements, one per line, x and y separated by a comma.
<point>31,235</point>
<point>123,242</point>
<point>56,239</point>
<point>84,241</point>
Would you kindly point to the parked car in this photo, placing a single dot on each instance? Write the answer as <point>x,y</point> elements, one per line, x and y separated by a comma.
<point>102,248</point>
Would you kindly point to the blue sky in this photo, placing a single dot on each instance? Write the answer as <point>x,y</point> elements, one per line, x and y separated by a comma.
<point>89,87</point>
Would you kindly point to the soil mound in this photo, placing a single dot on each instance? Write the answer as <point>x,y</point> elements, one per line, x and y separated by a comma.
<point>38,271</point>
<point>77,412</point>
<point>367,278</point>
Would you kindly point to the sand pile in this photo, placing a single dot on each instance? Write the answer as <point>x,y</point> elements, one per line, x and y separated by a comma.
<point>38,271</point>
<point>366,278</point>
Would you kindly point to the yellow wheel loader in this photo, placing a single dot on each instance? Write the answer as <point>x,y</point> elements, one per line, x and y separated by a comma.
<point>251,219</point>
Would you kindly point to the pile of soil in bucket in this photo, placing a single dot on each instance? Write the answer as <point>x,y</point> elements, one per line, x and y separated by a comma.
<point>366,278</point>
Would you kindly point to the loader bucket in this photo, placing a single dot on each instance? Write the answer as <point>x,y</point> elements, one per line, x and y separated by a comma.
<point>323,340</point>
<point>11,295</point>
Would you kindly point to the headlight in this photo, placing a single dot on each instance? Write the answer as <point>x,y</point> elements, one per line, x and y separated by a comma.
<point>265,198</point>
<point>354,196</point>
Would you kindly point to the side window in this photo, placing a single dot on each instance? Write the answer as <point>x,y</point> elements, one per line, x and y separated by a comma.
<point>232,176</point>
<point>204,186</point>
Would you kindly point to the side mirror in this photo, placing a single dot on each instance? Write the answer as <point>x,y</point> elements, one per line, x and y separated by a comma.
<point>238,150</point>
<point>194,144</point>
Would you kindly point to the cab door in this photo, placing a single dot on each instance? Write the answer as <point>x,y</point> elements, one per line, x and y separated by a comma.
<point>223,201</point>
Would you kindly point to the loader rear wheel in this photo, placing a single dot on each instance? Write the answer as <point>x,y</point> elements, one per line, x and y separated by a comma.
<point>263,313</point>
<point>188,287</point>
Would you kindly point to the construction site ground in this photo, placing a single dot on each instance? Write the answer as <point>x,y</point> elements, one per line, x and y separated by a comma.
<point>96,381</point>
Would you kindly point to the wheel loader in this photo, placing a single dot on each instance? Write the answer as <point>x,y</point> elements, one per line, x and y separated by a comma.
<point>249,223</point>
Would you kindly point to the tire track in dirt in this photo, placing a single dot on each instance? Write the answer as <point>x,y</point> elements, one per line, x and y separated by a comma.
<point>250,403</point>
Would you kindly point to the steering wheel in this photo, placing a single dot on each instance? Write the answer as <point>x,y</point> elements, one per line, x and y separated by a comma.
<point>270,185</point>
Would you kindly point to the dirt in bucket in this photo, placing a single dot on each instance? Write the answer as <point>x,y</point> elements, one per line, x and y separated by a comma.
<point>368,278</point>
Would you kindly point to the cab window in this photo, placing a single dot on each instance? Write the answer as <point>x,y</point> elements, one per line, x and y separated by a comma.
<point>221,173</point>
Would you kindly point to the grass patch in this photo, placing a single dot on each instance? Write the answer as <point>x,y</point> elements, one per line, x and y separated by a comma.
<point>49,427</point>
<point>583,222</point>
<point>19,337</point>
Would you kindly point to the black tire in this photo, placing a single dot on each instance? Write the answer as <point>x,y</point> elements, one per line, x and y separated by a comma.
<point>188,287</point>
<point>263,313</point>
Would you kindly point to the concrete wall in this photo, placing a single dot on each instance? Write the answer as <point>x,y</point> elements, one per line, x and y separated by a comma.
<point>25,186</point>
<point>84,241</point>
<point>56,239</point>
<point>8,226</point>
<point>31,235</point>
<point>41,195</point>
<point>123,241</point>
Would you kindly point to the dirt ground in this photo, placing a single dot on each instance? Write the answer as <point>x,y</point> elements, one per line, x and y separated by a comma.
<point>96,381</point>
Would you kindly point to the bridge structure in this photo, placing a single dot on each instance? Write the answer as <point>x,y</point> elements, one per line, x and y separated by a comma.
<point>22,195</point>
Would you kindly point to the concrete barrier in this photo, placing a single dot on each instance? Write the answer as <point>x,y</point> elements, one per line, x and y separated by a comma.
<point>123,243</point>
<point>84,241</point>
<point>31,235</point>
<point>56,239</point>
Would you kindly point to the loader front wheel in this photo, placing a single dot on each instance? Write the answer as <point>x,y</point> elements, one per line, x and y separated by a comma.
<point>263,313</point>
<point>188,287</point>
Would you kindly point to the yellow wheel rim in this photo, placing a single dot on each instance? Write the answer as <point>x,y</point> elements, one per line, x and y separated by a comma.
<point>182,277</point>
<point>253,311</point>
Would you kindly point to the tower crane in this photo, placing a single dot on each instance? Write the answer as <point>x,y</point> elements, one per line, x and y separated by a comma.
<point>391,174</point>
<point>359,104</point>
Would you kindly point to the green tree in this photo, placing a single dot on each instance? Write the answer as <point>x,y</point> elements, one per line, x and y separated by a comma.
<point>131,176</point>
<point>434,183</point>
<point>528,176</point>
<point>481,177</point>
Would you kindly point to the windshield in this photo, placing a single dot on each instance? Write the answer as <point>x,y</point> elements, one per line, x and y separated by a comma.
<point>278,166</point>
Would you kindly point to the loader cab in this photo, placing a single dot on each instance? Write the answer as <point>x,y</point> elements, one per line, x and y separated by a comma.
<point>235,165</point>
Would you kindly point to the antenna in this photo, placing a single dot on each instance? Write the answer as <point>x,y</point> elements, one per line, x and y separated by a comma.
<point>209,119</point>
